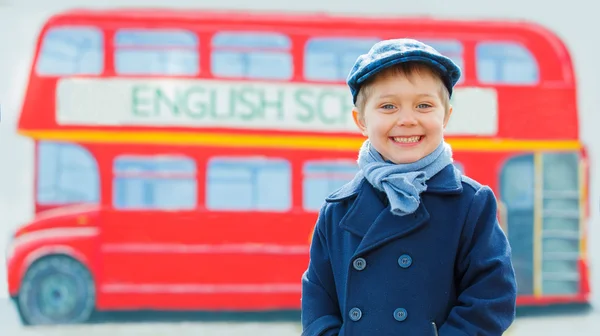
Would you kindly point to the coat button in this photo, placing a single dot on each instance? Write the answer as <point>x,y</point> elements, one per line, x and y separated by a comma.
<point>400,314</point>
<point>405,261</point>
<point>355,314</point>
<point>359,264</point>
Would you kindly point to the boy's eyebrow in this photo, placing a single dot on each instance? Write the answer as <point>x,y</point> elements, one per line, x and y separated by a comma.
<point>428,95</point>
<point>391,95</point>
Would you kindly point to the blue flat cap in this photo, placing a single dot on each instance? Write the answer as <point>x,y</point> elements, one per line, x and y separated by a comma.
<point>391,52</point>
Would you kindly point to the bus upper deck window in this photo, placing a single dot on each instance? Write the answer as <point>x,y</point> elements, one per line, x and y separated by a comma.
<point>251,55</point>
<point>156,52</point>
<point>506,63</point>
<point>331,58</point>
<point>71,50</point>
<point>452,49</point>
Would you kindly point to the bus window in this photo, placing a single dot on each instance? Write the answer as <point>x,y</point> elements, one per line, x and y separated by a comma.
<point>460,167</point>
<point>331,58</point>
<point>71,51</point>
<point>561,196</point>
<point>561,175</point>
<point>248,184</point>
<point>154,182</point>
<point>321,178</point>
<point>450,48</point>
<point>66,173</point>
<point>251,55</point>
<point>156,52</point>
<point>505,63</point>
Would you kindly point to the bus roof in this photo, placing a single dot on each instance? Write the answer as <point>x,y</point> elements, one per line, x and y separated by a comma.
<point>283,17</point>
<point>380,21</point>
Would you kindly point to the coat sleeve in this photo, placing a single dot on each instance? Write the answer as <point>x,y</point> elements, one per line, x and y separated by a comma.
<point>320,309</point>
<point>486,281</point>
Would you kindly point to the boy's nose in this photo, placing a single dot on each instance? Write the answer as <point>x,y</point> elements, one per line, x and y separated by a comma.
<point>406,119</point>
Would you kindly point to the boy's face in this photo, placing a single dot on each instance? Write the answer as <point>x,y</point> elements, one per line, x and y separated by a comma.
<point>404,117</point>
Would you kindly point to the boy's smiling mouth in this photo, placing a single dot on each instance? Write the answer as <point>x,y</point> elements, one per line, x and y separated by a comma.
<point>407,140</point>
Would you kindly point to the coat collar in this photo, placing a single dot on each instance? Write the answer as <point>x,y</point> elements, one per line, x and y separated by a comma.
<point>370,218</point>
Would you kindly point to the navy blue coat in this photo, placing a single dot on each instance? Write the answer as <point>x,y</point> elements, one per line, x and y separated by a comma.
<point>445,270</point>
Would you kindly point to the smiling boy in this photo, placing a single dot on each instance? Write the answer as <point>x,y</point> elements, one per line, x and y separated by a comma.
<point>409,246</point>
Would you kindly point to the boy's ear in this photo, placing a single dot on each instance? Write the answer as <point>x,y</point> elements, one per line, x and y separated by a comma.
<point>447,116</point>
<point>359,121</point>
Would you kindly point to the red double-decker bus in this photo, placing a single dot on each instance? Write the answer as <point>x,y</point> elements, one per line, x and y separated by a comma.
<point>182,157</point>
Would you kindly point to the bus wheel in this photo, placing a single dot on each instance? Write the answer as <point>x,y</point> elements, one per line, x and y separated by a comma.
<point>56,290</point>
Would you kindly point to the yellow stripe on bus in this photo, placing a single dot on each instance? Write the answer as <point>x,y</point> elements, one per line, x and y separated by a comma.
<point>322,142</point>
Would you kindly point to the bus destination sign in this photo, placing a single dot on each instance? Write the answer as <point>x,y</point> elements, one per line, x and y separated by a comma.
<point>237,105</point>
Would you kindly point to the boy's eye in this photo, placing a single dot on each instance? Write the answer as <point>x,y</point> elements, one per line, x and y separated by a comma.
<point>387,106</point>
<point>424,106</point>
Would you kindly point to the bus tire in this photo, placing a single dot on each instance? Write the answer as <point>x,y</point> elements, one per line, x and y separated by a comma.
<point>56,290</point>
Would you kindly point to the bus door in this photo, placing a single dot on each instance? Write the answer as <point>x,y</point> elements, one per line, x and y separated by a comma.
<point>561,211</point>
<point>540,194</point>
<point>517,203</point>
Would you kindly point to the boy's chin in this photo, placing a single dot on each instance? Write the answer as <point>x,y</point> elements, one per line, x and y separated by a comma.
<point>405,159</point>
<point>406,156</point>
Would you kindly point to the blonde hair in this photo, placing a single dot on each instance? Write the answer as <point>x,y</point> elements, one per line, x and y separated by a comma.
<point>406,69</point>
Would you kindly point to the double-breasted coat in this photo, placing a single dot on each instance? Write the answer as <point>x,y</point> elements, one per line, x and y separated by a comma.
<point>444,270</point>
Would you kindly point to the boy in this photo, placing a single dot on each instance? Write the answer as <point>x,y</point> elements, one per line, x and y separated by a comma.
<point>409,246</point>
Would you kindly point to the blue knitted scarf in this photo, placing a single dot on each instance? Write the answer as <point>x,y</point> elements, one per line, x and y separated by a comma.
<point>402,183</point>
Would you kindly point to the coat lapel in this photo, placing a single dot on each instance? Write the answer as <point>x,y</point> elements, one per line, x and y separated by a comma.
<point>367,207</point>
<point>388,227</point>
<point>370,218</point>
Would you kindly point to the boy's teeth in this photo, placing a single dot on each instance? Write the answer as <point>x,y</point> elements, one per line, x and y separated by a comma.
<point>407,139</point>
